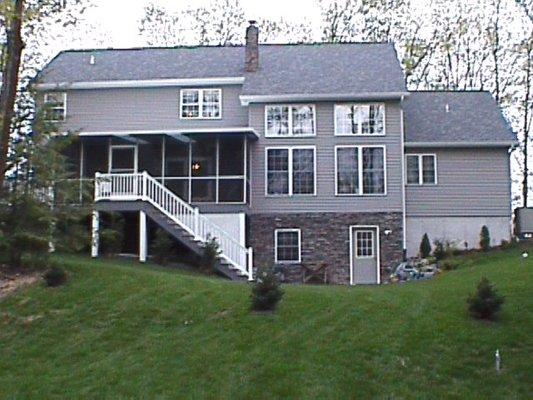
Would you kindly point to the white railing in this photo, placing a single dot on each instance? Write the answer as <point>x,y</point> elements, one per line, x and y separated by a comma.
<point>141,186</point>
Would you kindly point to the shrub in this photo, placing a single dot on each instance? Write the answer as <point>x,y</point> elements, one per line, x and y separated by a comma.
<point>110,241</point>
<point>484,238</point>
<point>211,251</point>
<point>425,246</point>
<point>439,251</point>
<point>55,276</point>
<point>448,265</point>
<point>25,246</point>
<point>266,292</point>
<point>485,303</point>
<point>162,247</point>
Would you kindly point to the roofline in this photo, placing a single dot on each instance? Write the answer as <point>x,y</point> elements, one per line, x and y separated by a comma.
<point>170,131</point>
<point>505,144</point>
<point>248,99</point>
<point>150,83</point>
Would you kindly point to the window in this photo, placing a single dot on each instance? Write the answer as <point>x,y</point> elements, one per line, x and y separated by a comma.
<point>364,244</point>
<point>290,171</point>
<point>359,119</point>
<point>421,169</point>
<point>360,170</point>
<point>55,106</point>
<point>287,245</point>
<point>201,103</point>
<point>294,120</point>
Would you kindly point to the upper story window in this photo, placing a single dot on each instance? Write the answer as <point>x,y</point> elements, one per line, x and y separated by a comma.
<point>360,170</point>
<point>201,103</point>
<point>421,169</point>
<point>55,106</point>
<point>289,120</point>
<point>290,171</point>
<point>360,119</point>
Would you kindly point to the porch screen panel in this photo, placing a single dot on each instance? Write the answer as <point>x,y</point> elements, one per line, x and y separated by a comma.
<point>204,158</point>
<point>231,156</point>
<point>150,157</point>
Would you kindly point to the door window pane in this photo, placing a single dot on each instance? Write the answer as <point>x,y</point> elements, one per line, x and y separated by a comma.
<point>365,243</point>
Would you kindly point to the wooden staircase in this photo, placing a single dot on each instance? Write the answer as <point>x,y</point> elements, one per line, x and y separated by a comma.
<point>141,192</point>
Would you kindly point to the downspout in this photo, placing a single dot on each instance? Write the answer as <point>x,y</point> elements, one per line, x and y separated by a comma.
<point>404,227</point>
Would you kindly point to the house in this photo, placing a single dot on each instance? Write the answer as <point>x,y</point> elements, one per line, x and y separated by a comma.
<point>298,156</point>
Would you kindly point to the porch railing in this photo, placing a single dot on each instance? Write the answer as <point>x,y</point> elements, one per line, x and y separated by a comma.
<point>141,186</point>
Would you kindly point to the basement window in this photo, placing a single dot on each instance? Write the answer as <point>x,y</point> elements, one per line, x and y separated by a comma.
<point>287,246</point>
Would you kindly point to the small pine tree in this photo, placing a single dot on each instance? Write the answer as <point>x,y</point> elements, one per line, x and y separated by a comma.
<point>484,238</point>
<point>266,292</point>
<point>425,246</point>
<point>485,303</point>
<point>211,251</point>
<point>439,252</point>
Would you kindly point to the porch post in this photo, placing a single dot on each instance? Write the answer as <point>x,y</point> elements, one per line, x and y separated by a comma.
<point>95,242</point>
<point>143,240</point>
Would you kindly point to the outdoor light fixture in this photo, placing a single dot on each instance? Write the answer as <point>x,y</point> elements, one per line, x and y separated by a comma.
<point>195,166</point>
<point>387,232</point>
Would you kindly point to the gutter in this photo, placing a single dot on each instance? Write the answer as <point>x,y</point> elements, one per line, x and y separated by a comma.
<point>248,99</point>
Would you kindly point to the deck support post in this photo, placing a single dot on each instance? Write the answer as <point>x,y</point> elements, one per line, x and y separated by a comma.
<point>143,237</point>
<point>95,240</point>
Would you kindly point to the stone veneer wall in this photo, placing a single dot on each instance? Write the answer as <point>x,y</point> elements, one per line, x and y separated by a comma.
<point>325,239</point>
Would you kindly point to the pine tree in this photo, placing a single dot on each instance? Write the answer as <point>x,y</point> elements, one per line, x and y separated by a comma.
<point>485,303</point>
<point>425,246</point>
<point>266,292</point>
<point>484,238</point>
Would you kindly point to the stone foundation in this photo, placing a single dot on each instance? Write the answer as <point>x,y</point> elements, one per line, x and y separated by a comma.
<point>325,240</point>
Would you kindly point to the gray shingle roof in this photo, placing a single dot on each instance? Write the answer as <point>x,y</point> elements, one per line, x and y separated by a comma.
<point>473,116</point>
<point>283,69</point>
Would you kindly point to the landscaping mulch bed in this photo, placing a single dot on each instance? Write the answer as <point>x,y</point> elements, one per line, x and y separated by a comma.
<point>11,280</point>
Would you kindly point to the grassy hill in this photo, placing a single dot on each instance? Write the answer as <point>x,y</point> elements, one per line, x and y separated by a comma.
<point>120,330</point>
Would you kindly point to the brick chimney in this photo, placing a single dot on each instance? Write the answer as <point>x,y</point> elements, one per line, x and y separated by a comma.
<point>251,56</point>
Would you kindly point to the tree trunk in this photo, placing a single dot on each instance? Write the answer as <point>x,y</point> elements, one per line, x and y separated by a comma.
<point>527,101</point>
<point>10,77</point>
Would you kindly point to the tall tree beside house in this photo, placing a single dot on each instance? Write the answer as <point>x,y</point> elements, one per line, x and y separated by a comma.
<point>22,21</point>
<point>425,246</point>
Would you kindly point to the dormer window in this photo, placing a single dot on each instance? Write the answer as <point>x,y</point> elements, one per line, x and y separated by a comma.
<point>201,103</point>
<point>359,119</point>
<point>55,106</point>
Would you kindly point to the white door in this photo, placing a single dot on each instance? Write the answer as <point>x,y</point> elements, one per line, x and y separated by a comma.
<point>365,255</point>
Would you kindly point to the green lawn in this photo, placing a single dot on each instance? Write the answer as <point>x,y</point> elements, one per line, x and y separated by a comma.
<point>120,330</point>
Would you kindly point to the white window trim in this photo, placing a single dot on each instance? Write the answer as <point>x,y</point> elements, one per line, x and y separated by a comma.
<point>299,231</point>
<point>290,170</point>
<point>200,103</point>
<point>45,99</point>
<point>360,171</point>
<point>336,133</point>
<point>135,148</point>
<point>420,169</point>
<point>290,134</point>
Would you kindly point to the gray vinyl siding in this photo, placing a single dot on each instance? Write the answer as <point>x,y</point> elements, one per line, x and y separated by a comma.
<point>470,182</point>
<point>104,110</point>
<point>325,142</point>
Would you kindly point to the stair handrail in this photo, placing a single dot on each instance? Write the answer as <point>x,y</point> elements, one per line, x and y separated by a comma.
<point>142,186</point>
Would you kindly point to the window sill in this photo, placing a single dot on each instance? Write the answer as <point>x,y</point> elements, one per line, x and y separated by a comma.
<point>200,118</point>
<point>361,195</point>
<point>288,136</point>
<point>360,134</point>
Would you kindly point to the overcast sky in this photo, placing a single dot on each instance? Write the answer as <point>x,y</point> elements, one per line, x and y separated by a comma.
<point>119,19</point>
